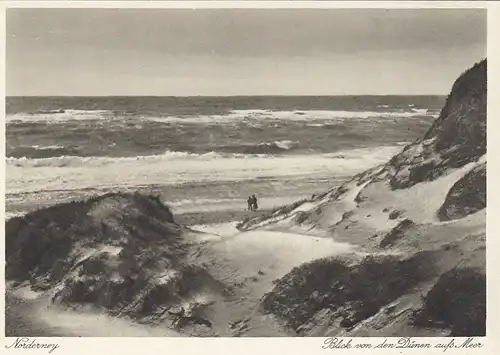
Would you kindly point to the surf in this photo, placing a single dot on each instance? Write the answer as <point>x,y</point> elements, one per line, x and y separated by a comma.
<point>70,172</point>
<point>68,115</point>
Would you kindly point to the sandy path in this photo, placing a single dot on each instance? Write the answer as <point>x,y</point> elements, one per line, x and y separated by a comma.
<point>249,262</point>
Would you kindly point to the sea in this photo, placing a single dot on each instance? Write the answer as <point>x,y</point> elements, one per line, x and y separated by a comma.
<point>201,153</point>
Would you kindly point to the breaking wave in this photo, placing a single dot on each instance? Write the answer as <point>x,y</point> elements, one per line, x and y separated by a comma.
<point>64,116</point>
<point>38,151</point>
<point>72,161</point>
<point>60,116</point>
<point>275,147</point>
<point>261,150</point>
<point>72,172</point>
<point>172,156</point>
<point>49,147</point>
<point>269,115</point>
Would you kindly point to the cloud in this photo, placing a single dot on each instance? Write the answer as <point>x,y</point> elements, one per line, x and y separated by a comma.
<point>167,43</point>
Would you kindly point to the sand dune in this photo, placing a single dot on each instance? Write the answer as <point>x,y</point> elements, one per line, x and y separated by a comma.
<point>398,250</point>
<point>427,207</point>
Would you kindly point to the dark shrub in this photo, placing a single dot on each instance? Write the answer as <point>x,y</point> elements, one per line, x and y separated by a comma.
<point>458,302</point>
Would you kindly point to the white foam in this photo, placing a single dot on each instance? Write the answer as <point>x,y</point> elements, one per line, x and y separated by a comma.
<point>60,117</point>
<point>268,115</point>
<point>420,111</point>
<point>232,116</point>
<point>73,173</point>
<point>284,144</point>
<point>9,215</point>
<point>48,147</point>
<point>66,161</point>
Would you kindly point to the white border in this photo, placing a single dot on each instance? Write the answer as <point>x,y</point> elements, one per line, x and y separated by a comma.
<point>237,346</point>
<point>245,4</point>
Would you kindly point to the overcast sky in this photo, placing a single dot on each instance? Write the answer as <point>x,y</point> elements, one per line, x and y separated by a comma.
<point>240,51</point>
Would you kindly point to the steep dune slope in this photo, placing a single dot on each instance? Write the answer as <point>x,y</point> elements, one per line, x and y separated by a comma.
<point>121,253</point>
<point>425,209</point>
<point>457,137</point>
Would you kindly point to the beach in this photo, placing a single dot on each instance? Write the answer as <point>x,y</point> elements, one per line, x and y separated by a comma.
<point>201,155</point>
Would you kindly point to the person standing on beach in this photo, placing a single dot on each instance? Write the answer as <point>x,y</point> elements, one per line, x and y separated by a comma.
<point>250,203</point>
<point>254,203</point>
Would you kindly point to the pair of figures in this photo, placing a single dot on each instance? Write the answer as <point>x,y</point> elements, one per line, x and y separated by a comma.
<point>252,203</point>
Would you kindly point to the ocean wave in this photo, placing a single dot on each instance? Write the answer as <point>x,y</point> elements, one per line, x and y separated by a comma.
<point>260,150</point>
<point>40,152</point>
<point>275,147</point>
<point>269,115</point>
<point>25,175</point>
<point>60,116</point>
<point>48,147</point>
<point>420,111</point>
<point>69,161</point>
<point>286,144</point>
<point>96,161</point>
<point>9,215</point>
<point>245,116</point>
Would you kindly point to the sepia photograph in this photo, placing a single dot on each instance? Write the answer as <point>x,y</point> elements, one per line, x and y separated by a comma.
<point>230,172</point>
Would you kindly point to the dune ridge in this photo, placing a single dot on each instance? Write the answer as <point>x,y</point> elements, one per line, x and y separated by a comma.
<point>427,206</point>
<point>121,253</point>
